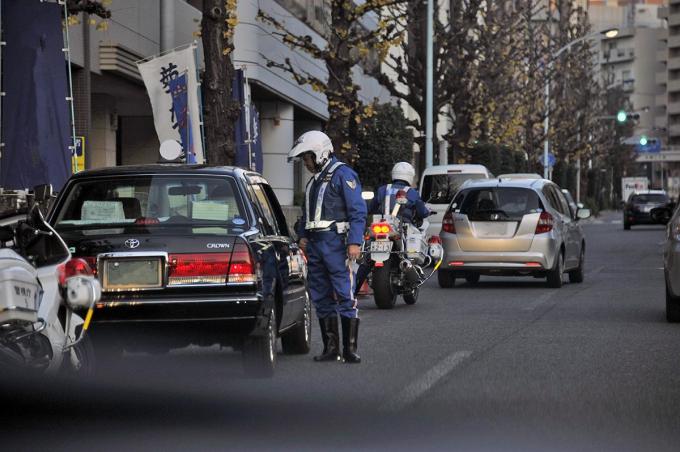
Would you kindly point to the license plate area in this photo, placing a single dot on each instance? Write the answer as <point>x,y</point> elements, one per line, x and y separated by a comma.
<point>131,273</point>
<point>380,247</point>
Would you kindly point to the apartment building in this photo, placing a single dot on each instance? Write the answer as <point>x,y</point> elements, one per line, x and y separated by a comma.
<point>116,117</point>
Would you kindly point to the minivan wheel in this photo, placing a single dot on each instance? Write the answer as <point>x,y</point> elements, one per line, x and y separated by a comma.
<point>446,279</point>
<point>672,307</point>
<point>555,275</point>
<point>259,352</point>
<point>577,275</point>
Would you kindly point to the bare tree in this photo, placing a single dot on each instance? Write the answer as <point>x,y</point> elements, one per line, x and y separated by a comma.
<point>220,110</point>
<point>348,42</point>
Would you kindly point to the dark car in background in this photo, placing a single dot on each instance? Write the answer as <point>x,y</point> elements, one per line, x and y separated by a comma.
<point>187,255</point>
<point>639,205</point>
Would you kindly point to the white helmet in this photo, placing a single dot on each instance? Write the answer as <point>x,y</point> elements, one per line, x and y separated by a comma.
<point>403,171</point>
<point>312,141</point>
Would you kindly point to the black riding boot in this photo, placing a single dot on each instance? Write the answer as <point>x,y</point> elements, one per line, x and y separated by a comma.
<point>350,332</point>
<point>331,339</point>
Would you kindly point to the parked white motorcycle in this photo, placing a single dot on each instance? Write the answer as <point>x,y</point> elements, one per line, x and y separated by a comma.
<point>41,289</point>
<point>399,253</point>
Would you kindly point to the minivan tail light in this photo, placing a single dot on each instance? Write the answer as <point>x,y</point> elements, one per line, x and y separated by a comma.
<point>73,267</point>
<point>201,269</point>
<point>448,224</point>
<point>545,223</point>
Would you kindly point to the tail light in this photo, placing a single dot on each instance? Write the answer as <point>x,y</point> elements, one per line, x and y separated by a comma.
<point>545,223</point>
<point>212,268</point>
<point>448,224</point>
<point>380,228</point>
<point>401,197</point>
<point>145,221</point>
<point>435,240</point>
<point>241,267</point>
<point>92,262</point>
<point>189,269</point>
<point>73,267</point>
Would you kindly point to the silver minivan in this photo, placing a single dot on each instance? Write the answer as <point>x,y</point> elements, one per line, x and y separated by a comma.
<point>512,227</point>
<point>439,183</point>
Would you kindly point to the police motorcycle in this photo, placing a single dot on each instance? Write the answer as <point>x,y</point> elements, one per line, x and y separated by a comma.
<point>400,254</point>
<point>41,289</point>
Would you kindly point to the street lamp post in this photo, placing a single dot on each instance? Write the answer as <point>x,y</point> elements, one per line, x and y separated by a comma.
<point>610,33</point>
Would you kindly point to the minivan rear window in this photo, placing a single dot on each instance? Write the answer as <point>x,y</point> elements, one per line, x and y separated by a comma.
<point>154,202</point>
<point>497,203</point>
<point>440,188</point>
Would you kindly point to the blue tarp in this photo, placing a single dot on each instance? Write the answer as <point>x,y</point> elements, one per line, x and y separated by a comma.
<point>35,119</point>
<point>243,146</point>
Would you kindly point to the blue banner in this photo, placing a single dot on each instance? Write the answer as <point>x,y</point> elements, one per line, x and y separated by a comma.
<point>247,128</point>
<point>180,111</point>
<point>35,121</point>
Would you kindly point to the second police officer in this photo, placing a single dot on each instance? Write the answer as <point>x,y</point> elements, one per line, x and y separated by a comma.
<point>331,232</point>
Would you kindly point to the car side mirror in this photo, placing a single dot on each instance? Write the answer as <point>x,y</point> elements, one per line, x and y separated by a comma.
<point>661,215</point>
<point>582,214</point>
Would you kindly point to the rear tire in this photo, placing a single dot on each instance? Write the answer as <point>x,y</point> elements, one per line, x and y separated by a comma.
<point>384,294</point>
<point>555,275</point>
<point>577,275</point>
<point>298,341</point>
<point>410,298</point>
<point>672,307</point>
<point>446,279</point>
<point>472,278</point>
<point>259,352</point>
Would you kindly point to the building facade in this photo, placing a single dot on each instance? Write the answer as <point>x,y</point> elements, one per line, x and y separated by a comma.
<point>112,108</point>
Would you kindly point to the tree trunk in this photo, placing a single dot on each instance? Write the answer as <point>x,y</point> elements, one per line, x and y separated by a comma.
<point>220,110</point>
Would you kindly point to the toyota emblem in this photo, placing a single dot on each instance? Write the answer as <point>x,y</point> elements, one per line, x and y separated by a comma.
<point>132,243</point>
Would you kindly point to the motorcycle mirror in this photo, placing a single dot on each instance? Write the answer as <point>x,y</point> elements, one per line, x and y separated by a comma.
<point>583,213</point>
<point>42,193</point>
<point>82,292</point>
<point>401,197</point>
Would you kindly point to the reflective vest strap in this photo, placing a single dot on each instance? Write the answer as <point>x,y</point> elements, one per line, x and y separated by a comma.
<point>386,208</point>
<point>322,191</point>
<point>388,196</point>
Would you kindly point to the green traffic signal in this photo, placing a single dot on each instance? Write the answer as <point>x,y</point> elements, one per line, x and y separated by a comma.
<point>643,140</point>
<point>621,116</point>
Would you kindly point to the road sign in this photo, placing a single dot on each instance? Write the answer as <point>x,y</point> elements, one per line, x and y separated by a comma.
<point>78,157</point>
<point>551,160</point>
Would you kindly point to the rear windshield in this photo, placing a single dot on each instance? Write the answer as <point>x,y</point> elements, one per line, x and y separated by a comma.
<point>645,199</point>
<point>198,204</point>
<point>497,204</point>
<point>440,188</point>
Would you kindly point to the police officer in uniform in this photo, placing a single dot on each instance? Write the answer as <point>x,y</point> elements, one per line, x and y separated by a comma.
<point>331,232</point>
<point>414,211</point>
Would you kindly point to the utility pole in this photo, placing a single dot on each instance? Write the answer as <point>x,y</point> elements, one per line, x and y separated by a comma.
<point>429,94</point>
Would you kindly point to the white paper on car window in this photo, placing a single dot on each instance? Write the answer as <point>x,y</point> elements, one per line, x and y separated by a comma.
<point>102,211</point>
<point>206,210</point>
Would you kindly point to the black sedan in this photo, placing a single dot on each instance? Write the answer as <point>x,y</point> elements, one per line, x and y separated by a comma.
<point>188,255</point>
<point>637,209</point>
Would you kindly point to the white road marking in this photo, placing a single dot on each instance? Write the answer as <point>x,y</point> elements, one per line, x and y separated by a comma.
<point>540,300</point>
<point>425,382</point>
<point>596,271</point>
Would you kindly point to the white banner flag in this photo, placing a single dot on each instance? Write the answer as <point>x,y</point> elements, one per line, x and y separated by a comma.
<point>158,75</point>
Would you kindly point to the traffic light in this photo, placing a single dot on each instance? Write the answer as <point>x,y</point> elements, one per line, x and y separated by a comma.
<point>623,116</point>
<point>643,140</point>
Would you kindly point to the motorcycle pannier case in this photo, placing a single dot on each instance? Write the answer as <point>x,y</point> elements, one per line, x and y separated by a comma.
<point>416,246</point>
<point>19,289</point>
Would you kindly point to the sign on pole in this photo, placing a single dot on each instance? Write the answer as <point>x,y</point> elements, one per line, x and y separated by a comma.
<point>78,155</point>
<point>170,81</point>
